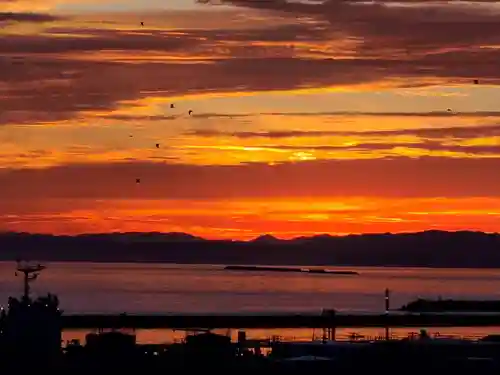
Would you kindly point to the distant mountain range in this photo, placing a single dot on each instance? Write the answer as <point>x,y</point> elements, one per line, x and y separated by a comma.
<point>422,249</point>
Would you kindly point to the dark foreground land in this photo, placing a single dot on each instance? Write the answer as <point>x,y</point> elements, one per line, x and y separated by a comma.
<point>114,353</point>
<point>31,331</point>
<point>424,249</point>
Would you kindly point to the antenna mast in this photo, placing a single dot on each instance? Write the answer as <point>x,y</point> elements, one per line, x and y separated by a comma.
<point>30,273</point>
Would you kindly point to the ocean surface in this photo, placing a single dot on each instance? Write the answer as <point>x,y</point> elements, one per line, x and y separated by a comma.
<point>157,288</point>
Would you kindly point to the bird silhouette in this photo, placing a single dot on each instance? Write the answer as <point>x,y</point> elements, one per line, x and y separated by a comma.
<point>142,23</point>
<point>190,112</point>
<point>137,180</point>
<point>476,81</point>
<point>157,145</point>
<point>172,105</point>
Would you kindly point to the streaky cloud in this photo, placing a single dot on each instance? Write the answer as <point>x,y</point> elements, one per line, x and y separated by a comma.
<point>391,46</point>
<point>464,132</point>
<point>27,17</point>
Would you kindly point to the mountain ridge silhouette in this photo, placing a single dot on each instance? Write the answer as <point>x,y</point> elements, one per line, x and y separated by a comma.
<point>460,249</point>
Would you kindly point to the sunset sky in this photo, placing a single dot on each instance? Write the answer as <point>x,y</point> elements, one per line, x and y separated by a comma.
<point>334,117</point>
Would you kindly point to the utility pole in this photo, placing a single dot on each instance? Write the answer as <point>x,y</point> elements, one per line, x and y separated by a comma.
<point>387,307</point>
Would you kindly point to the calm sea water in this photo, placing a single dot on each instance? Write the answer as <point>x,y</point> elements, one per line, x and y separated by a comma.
<point>156,288</point>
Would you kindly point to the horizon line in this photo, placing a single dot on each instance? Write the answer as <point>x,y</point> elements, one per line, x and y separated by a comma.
<point>268,235</point>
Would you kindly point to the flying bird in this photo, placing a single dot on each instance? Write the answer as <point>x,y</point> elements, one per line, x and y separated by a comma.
<point>190,112</point>
<point>172,105</point>
<point>137,180</point>
<point>142,23</point>
<point>476,81</point>
<point>157,145</point>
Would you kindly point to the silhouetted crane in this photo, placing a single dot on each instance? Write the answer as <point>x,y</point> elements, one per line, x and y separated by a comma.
<point>30,272</point>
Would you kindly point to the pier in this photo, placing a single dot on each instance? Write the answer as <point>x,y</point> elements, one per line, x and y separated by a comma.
<point>280,320</point>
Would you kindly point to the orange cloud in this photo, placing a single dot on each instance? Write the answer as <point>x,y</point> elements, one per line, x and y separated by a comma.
<point>55,72</point>
<point>212,139</point>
